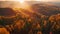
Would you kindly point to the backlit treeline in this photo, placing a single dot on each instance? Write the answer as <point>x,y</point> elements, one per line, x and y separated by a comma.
<point>35,24</point>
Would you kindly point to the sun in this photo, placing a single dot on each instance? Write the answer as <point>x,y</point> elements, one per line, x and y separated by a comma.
<point>21,1</point>
<point>38,0</point>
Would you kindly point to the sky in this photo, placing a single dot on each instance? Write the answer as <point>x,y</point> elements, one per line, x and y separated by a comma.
<point>33,0</point>
<point>10,3</point>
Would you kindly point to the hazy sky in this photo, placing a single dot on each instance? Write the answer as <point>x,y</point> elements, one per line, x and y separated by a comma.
<point>5,3</point>
<point>32,0</point>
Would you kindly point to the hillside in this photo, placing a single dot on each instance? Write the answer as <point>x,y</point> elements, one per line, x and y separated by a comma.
<point>45,19</point>
<point>46,8</point>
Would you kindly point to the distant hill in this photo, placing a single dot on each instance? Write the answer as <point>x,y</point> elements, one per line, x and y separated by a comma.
<point>7,12</point>
<point>46,8</point>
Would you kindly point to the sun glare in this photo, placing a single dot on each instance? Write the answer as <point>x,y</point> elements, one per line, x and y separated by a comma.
<point>38,0</point>
<point>21,1</point>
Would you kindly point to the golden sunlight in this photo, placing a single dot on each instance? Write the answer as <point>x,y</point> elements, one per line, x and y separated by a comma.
<point>21,1</point>
<point>38,0</point>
